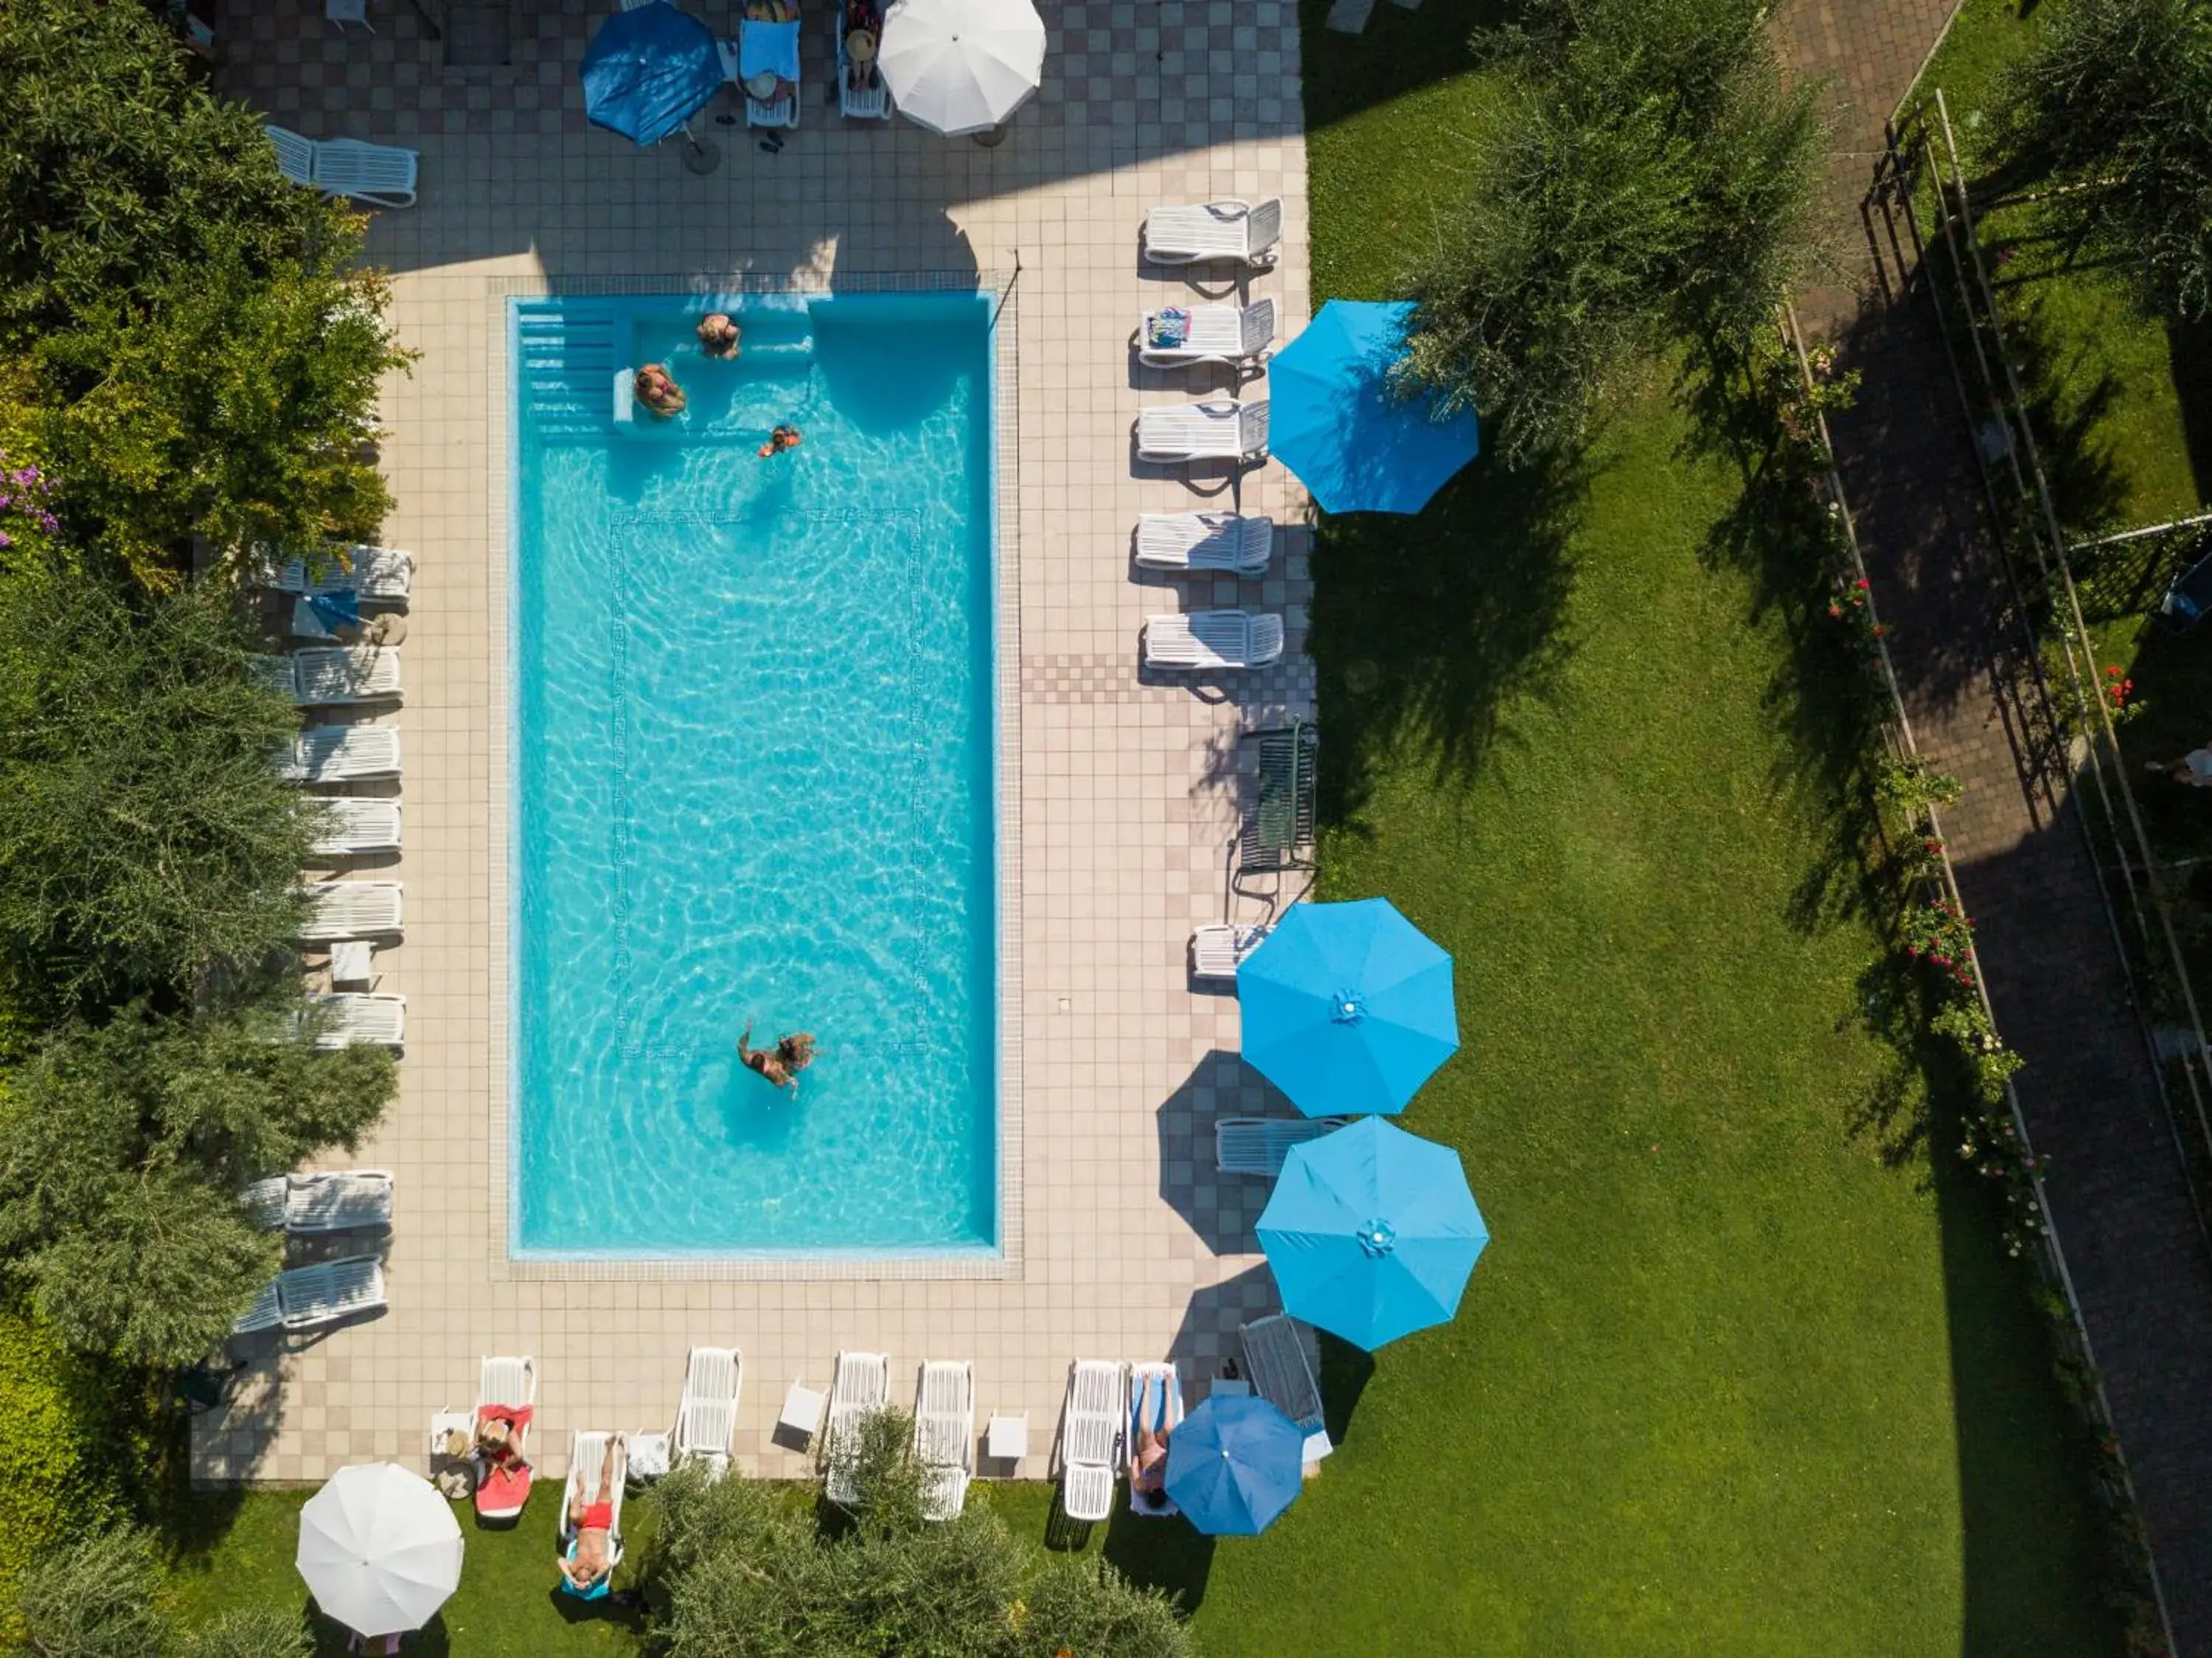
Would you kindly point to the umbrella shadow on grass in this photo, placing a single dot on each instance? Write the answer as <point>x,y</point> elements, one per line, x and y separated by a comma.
<point>330,1637</point>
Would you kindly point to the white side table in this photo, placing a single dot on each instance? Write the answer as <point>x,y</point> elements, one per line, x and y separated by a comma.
<point>351,962</point>
<point>1007,1439</point>
<point>648,1455</point>
<point>802,1410</point>
<point>443,1423</point>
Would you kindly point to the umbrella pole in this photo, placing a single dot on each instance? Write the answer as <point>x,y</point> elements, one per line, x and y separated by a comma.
<point>700,156</point>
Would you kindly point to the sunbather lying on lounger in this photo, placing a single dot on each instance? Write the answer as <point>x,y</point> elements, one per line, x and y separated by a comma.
<point>595,1523</point>
<point>781,1063</point>
<point>1151,1479</point>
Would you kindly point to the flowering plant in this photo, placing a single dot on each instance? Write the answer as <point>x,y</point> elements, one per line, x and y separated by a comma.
<point>2119,694</point>
<point>24,492</point>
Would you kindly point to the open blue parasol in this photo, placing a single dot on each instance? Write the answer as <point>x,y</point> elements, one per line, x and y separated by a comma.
<point>1234,1463</point>
<point>1347,1007</point>
<point>1371,1232</point>
<point>1335,423</point>
<point>649,70</point>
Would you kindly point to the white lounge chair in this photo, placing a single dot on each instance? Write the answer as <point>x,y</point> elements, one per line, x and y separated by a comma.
<point>1213,639</point>
<point>1234,335</point>
<point>332,678</point>
<point>342,753</point>
<point>588,1452</point>
<point>1217,951</point>
<point>382,175</point>
<point>1228,229</point>
<point>352,1016</point>
<point>1261,1145</point>
<point>507,1385</point>
<point>352,567</point>
<point>352,909</point>
<point>869,103</point>
<point>1162,1384</point>
<point>707,1415</point>
<point>1223,429</point>
<point>1205,541</point>
<point>863,1386</point>
<point>308,1297</point>
<point>1275,1363</point>
<point>944,1436</point>
<point>1090,1437</point>
<point>354,825</point>
<point>338,1201</point>
<point>265,1200</point>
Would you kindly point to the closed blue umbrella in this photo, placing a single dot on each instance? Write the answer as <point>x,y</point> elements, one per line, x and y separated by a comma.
<point>649,70</point>
<point>1334,420</point>
<point>1347,1007</point>
<point>1371,1232</point>
<point>1234,1463</point>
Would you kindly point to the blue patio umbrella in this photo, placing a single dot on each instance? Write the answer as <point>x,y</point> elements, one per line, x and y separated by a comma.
<point>1234,1463</point>
<point>1333,422</point>
<point>649,71</point>
<point>1371,1232</point>
<point>1347,1007</point>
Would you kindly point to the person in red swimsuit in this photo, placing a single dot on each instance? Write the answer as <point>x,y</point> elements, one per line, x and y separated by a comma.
<point>595,1523</point>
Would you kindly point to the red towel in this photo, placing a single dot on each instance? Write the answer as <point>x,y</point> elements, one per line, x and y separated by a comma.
<point>506,1485</point>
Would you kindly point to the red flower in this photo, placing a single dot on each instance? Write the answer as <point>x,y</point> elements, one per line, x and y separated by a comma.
<point>1861,582</point>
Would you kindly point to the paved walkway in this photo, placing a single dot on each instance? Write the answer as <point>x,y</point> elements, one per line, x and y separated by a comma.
<point>2119,1204</point>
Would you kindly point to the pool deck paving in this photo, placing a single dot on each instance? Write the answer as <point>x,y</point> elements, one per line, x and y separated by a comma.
<point>1127,784</point>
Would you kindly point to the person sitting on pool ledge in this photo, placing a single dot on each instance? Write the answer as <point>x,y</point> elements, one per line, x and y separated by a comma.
<point>594,1524</point>
<point>781,1063</point>
<point>718,335</point>
<point>782,438</point>
<point>661,395</point>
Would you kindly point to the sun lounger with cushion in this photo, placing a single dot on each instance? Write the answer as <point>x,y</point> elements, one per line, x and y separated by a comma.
<point>765,48</point>
<point>1205,541</point>
<point>354,825</point>
<point>352,1017</point>
<point>1227,229</point>
<point>1238,335</point>
<point>862,1387</point>
<point>1221,429</point>
<point>944,1436</point>
<point>352,909</point>
<point>1155,1400</point>
<point>507,1389</point>
<point>1276,1363</point>
<point>1260,1145</point>
<point>707,1415</point>
<point>342,753</point>
<point>1090,1436</point>
<point>1207,639</point>
<point>587,1454</point>
<point>337,1200</point>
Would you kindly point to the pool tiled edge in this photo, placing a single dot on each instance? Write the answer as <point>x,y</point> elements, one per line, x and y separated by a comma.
<point>1005,1262</point>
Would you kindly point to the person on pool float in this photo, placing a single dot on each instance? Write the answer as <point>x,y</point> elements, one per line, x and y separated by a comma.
<point>781,1063</point>
<point>782,438</point>
<point>593,1523</point>
<point>718,335</point>
<point>661,395</point>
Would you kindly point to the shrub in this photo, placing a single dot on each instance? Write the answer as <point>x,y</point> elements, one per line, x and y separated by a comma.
<point>56,1452</point>
<point>1642,170</point>
<point>93,1599</point>
<point>265,1633</point>
<point>2116,97</point>
<point>201,352</point>
<point>144,833</point>
<point>122,1146</point>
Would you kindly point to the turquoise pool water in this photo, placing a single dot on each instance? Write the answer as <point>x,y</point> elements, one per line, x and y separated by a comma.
<point>752,779</point>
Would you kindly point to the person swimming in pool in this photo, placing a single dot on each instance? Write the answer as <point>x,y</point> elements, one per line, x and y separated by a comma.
<point>782,438</point>
<point>781,1063</point>
<point>718,335</point>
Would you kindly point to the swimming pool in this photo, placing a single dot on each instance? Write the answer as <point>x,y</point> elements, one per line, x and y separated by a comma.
<point>752,779</point>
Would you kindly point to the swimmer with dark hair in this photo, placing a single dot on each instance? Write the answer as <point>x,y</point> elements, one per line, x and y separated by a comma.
<point>782,438</point>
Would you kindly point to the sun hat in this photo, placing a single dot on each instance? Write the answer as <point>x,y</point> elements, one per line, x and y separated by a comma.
<point>860,45</point>
<point>762,86</point>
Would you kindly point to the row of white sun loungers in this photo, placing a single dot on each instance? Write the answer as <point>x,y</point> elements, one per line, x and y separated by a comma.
<point>306,1297</point>
<point>338,1201</point>
<point>333,677</point>
<point>944,1428</point>
<point>352,909</point>
<point>382,175</point>
<point>354,825</point>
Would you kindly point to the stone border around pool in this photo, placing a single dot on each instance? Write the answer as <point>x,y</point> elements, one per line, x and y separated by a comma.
<point>1005,1262</point>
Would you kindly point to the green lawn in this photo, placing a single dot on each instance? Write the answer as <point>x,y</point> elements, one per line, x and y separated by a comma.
<point>1744,1370</point>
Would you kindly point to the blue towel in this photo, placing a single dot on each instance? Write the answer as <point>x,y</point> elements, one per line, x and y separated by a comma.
<point>336,610</point>
<point>1170,327</point>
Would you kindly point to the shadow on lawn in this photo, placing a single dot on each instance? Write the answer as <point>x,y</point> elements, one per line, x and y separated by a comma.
<point>1423,626</point>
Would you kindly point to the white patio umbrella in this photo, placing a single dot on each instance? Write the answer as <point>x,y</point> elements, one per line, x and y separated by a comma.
<point>960,66</point>
<point>379,1548</point>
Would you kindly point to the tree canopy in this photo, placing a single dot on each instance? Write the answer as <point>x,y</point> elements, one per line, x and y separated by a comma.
<point>194,345</point>
<point>1642,173</point>
<point>2117,99</point>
